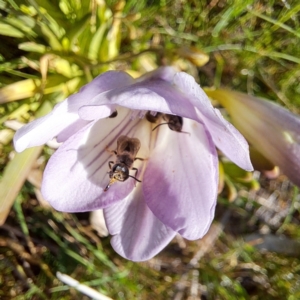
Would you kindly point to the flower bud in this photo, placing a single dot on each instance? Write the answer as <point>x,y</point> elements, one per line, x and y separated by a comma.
<point>270,129</point>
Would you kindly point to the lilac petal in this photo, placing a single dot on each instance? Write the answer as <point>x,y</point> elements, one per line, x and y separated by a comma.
<point>152,95</point>
<point>225,136</point>
<point>229,140</point>
<point>71,129</point>
<point>76,173</point>
<point>163,73</point>
<point>181,179</point>
<point>65,114</point>
<point>44,129</point>
<point>95,112</point>
<point>104,82</point>
<point>138,234</point>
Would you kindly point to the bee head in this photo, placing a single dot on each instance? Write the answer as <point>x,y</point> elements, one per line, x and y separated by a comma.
<point>119,172</point>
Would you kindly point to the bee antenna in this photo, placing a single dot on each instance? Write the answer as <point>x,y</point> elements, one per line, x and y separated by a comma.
<point>171,129</point>
<point>159,125</point>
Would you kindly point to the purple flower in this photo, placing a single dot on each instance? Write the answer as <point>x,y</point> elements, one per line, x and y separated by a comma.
<point>179,172</point>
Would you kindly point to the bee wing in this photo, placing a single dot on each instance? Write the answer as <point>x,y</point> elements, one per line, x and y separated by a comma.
<point>122,139</point>
<point>136,145</point>
<point>127,144</point>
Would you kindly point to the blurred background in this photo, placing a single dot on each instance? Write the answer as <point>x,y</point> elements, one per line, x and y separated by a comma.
<point>49,49</point>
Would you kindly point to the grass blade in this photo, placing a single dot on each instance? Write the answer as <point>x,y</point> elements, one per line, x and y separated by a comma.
<point>16,173</point>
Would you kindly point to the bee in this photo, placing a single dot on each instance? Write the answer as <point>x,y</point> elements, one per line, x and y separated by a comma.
<point>127,149</point>
<point>174,122</point>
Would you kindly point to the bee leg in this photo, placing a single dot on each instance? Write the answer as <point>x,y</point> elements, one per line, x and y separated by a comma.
<point>136,171</point>
<point>134,177</point>
<point>139,158</point>
<point>110,151</point>
<point>110,163</point>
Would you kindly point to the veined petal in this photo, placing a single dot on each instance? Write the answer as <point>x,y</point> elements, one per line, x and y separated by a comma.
<point>138,234</point>
<point>181,179</point>
<point>76,173</point>
<point>41,130</point>
<point>225,136</point>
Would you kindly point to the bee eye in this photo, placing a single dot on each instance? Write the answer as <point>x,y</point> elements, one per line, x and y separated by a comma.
<point>117,168</point>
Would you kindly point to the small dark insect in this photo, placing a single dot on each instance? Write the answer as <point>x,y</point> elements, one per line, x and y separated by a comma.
<point>174,122</point>
<point>114,114</point>
<point>127,149</point>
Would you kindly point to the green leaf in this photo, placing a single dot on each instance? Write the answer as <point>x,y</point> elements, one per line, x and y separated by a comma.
<point>19,90</point>
<point>50,10</point>
<point>96,42</point>
<point>276,22</point>
<point>16,172</point>
<point>234,171</point>
<point>53,41</point>
<point>8,30</point>
<point>231,13</point>
<point>32,47</point>
<point>23,23</point>
<point>77,29</point>
<point>17,113</point>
